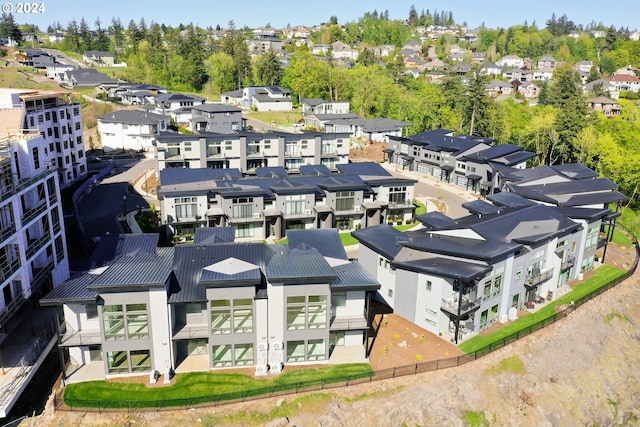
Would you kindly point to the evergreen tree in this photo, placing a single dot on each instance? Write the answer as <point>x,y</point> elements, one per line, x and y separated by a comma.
<point>478,106</point>
<point>413,16</point>
<point>235,45</point>
<point>366,57</point>
<point>269,70</point>
<point>118,34</point>
<point>9,28</point>
<point>101,42</point>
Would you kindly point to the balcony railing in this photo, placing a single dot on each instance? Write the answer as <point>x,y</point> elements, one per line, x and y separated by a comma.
<point>7,231</point>
<point>40,277</point>
<point>348,323</point>
<point>36,244</point>
<point>401,204</point>
<point>570,262</point>
<point>466,306</point>
<point>77,338</point>
<point>538,277</point>
<point>185,332</point>
<point>30,214</point>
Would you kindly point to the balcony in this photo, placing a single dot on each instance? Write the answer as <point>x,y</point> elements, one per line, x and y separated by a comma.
<point>190,331</point>
<point>36,244</point>
<point>7,231</point>
<point>570,262</point>
<point>537,277</point>
<point>467,306</point>
<point>401,204</point>
<point>40,276</point>
<point>77,338</point>
<point>348,323</point>
<point>8,267</point>
<point>30,214</point>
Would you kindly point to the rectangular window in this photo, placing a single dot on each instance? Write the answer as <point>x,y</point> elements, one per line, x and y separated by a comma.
<point>487,289</point>
<point>519,274</point>
<point>36,157</point>
<point>243,230</point>
<point>427,286</point>
<point>316,350</point>
<point>140,360</point>
<point>243,354</point>
<point>390,293</point>
<point>220,316</point>
<point>222,355</point>
<point>497,285</point>
<point>296,313</point>
<point>186,207</point>
<point>295,351</point>
<point>317,312</point>
<point>242,207</point>
<point>398,196</point>
<point>92,311</point>
<point>242,316</point>
<point>117,362</point>
<point>345,200</point>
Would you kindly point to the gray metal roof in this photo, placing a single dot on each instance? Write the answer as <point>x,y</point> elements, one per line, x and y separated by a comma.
<point>575,171</point>
<point>111,247</point>
<point>436,220</point>
<point>132,117</point>
<point>443,267</point>
<point>72,291</point>
<point>353,276</point>
<point>211,235</point>
<point>301,265</point>
<point>509,199</point>
<point>216,108</point>
<point>326,241</point>
<point>382,239</point>
<point>363,168</point>
<point>135,271</point>
<point>480,207</point>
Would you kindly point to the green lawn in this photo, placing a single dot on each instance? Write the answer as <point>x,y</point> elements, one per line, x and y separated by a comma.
<point>277,117</point>
<point>200,387</point>
<point>604,275</point>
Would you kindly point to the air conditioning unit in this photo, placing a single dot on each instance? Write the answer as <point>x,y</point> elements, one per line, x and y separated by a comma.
<point>256,215</point>
<point>276,368</point>
<point>307,212</point>
<point>277,345</point>
<point>261,370</point>
<point>263,346</point>
<point>356,208</point>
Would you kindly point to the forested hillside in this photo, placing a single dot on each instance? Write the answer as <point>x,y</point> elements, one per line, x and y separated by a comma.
<point>559,128</point>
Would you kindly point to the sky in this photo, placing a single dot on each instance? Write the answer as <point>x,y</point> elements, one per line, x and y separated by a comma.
<point>280,13</point>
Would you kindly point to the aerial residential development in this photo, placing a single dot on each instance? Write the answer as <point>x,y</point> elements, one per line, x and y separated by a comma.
<point>158,220</point>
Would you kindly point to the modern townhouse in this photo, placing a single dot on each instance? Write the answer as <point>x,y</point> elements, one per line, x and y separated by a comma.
<point>97,58</point>
<point>371,130</point>
<point>248,151</point>
<point>131,129</point>
<point>215,304</point>
<point>33,255</point>
<point>320,106</point>
<point>440,154</point>
<point>57,119</point>
<point>271,204</point>
<point>266,98</point>
<point>177,105</point>
<point>217,118</point>
<point>456,277</point>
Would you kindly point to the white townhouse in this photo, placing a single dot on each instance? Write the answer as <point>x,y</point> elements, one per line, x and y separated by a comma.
<point>131,130</point>
<point>215,304</point>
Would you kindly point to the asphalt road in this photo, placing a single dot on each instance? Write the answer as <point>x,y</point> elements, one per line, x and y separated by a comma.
<point>98,210</point>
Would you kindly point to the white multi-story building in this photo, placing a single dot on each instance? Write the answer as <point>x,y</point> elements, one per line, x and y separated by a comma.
<point>54,116</point>
<point>33,255</point>
<point>131,129</point>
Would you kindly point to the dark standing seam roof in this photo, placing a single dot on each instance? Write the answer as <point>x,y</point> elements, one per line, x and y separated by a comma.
<point>173,176</point>
<point>249,277</point>
<point>210,235</point>
<point>135,271</point>
<point>436,220</point>
<point>72,291</point>
<point>315,170</point>
<point>481,207</point>
<point>112,246</point>
<point>303,265</point>
<point>189,260</point>
<point>382,239</point>
<point>272,172</point>
<point>326,241</point>
<point>443,267</point>
<point>510,200</point>
<point>363,168</point>
<point>575,171</point>
<point>353,276</point>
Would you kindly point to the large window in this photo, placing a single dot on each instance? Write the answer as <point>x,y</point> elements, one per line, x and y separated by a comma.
<point>398,195</point>
<point>307,312</point>
<point>243,354</point>
<point>221,316</point>
<point>232,355</point>
<point>243,230</point>
<point>123,362</point>
<point>299,351</point>
<point>242,316</point>
<point>222,355</point>
<point>345,200</point>
<point>242,207</point>
<point>186,207</point>
<point>294,204</point>
<point>123,322</point>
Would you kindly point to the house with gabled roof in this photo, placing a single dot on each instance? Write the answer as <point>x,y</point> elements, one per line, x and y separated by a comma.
<point>340,50</point>
<point>97,58</point>
<point>320,106</point>
<point>85,77</point>
<point>214,304</point>
<point>218,118</point>
<point>267,98</point>
<point>177,105</point>
<point>131,129</point>
<point>606,106</point>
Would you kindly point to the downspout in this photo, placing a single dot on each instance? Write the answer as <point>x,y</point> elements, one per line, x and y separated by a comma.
<point>459,309</point>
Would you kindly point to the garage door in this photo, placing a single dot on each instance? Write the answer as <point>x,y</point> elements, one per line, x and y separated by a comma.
<point>462,181</point>
<point>436,171</point>
<point>423,168</point>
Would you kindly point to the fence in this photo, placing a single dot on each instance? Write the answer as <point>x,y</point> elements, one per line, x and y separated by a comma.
<point>319,385</point>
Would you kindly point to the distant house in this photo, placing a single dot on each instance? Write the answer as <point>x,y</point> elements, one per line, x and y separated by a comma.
<point>98,58</point>
<point>635,36</point>
<point>606,106</point>
<point>267,98</point>
<point>86,77</point>
<point>547,61</point>
<point>141,94</point>
<point>373,130</point>
<point>56,71</point>
<point>218,118</point>
<point>584,66</point>
<point>498,87</point>
<point>602,85</point>
<point>177,105</point>
<point>529,90</point>
<point>258,46</point>
<point>130,129</point>
<point>625,82</point>
<point>340,50</point>
<point>320,106</point>
<point>34,58</point>
<point>320,49</point>
<point>490,69</point>
<point>234,97</point>
<point>511,61</point>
